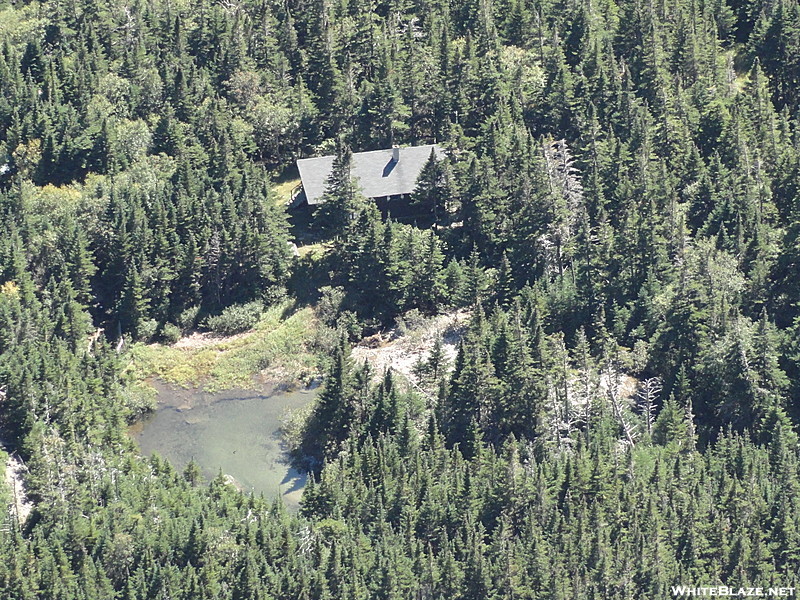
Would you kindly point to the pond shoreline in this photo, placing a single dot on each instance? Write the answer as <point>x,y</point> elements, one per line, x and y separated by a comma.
<point>235,432</point>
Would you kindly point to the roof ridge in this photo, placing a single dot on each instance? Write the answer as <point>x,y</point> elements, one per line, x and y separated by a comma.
<point>376,175</point>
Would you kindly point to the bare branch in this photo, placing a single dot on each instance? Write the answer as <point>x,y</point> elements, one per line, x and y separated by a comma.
<point>647,396</point>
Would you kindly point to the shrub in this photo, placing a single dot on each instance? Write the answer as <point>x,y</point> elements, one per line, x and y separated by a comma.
<point>411,322</point>
<point>236,318</point>
<point>147,330</point>
<point>349,323</point>
<point>329,306</point>
<point>170,333</point>
<point>188,318</point>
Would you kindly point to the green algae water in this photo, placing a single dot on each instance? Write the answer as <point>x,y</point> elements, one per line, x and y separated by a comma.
<point>236,431</point>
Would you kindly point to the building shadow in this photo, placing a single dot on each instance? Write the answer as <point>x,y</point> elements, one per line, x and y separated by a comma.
<point>387,170</point>
<point>295,479</point>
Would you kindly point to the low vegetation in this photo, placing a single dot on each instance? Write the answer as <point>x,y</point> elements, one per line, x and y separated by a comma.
<point>277,350</point>
<point>282,190</point>
<point>236,319</point>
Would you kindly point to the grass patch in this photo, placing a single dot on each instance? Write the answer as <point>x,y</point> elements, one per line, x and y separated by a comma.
<point>284,184</point>
<point>283,190</point>
<point>279,349</point>
<point>313,251</point>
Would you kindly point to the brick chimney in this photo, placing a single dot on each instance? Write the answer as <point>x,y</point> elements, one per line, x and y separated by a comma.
<point>396,153</point>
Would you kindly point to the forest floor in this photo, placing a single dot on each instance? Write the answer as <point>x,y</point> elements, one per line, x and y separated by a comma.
<point>411,342</point>
<point>277,351</point>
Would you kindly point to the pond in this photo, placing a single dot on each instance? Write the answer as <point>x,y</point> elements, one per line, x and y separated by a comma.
<point>236,431</point>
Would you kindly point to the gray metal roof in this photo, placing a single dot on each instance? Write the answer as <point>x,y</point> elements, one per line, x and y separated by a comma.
<point>376,172</point>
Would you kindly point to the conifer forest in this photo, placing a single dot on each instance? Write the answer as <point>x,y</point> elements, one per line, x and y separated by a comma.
<point>615,214</point>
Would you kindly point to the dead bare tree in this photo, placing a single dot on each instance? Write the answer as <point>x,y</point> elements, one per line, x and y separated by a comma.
<point>564,175</point>
<point>614,391</point>
<point>563,418</point>
<point>646,398</point>
<point>567,199</point>
<point>93,339</point>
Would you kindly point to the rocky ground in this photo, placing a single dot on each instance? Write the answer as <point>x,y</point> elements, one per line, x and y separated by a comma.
<point>21,505</point>
<point>410,342</point>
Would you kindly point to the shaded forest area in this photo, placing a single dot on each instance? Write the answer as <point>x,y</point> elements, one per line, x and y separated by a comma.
<point>620,199</point>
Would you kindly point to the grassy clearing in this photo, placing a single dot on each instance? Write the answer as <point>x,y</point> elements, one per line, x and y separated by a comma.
<point>278,350</point>
<point>283,190</point>
<point>313,251</point>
